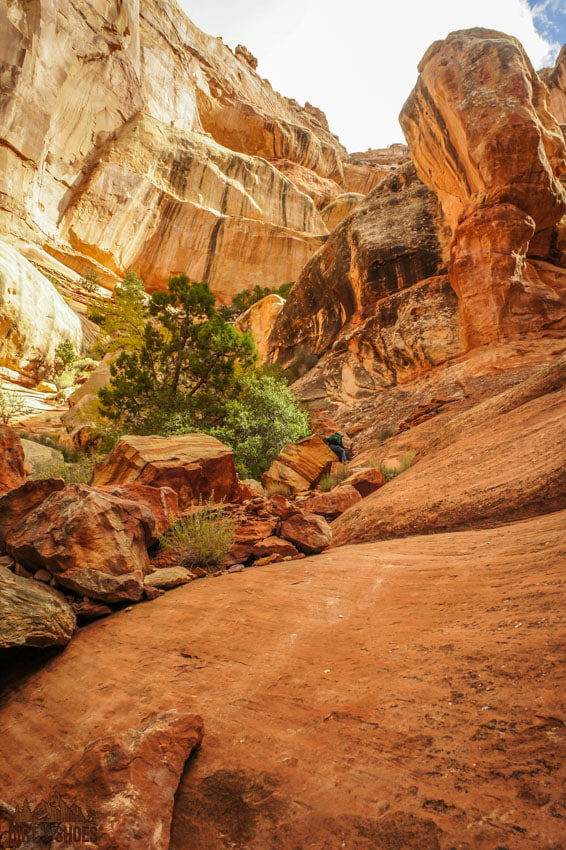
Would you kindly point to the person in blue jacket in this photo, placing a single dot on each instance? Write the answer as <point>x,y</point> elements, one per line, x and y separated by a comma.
<point>337,445</point>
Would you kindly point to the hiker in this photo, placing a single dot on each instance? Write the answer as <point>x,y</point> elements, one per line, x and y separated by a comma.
<point>337,445</point>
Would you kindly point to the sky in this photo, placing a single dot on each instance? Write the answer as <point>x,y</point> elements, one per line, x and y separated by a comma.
<point>357,59</point>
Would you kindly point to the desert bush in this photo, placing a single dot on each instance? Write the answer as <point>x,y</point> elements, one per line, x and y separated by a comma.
<point>204,537</point>
<point>90,281</point>
<point>331,479</point>
<point>393,471</point>
<point>12,406</point>
<point>79,472</point>
<point>384,434</point>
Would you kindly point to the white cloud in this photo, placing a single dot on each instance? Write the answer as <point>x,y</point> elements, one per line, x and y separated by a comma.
<point>357,60</point>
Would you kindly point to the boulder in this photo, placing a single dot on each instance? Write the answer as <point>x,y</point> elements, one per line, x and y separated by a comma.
<point>88,609</point>
<point>280,507</point>
<point>168,577</point>
<point>17,503</point>
<point>299,465</point>
<point>309,532</point>
<point>133,776</point>
<point>195,466</point>
<point>365,481</point>
<point>274,546</point>
<point>40,458</point>
<point>259,319</point>
<point>252,530</point>
<point>335,502</point>
<point>163,502</point>
<point>12,470</point>
<point>32,614</point>
<point>92,542</point>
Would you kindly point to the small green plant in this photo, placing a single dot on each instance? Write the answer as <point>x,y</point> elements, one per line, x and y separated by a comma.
<point>65,356</point>
<point>204,536</point>
<point>79,472</point>
<point>90,281</point>
<point>331,479</point>
<point>12,406</point>
<point>405,462</point>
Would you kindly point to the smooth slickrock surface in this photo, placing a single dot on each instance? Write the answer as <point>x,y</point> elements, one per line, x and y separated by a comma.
<point>32,614</point>
<point>12,470</point>
<point>503,460</point>
<point>401,694</point>
<point>93,542</point>
<point>193,465</point>
<point>482,138</point>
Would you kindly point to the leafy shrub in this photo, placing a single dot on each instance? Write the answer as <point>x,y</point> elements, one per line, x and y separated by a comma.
<point>258,423</point>
<point>204,536</point>
<point>12,406</point>
<point>121,317</point>
<point>65,356</point>
<point>90,281</point>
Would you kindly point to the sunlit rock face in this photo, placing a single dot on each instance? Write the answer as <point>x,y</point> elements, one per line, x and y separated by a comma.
<point>555,79</point>
<point>142,142</point>
<point>374,303</point>
<point>482,137</point>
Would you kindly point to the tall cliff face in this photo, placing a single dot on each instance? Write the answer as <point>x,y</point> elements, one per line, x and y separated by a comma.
<point>129,138</point>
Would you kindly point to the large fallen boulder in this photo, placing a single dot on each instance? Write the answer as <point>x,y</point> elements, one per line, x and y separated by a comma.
<point>163,502</point>
<point>365,481</point>
<point>12,470</point>
<point>196,466</point>
<point>310,533</point>
<point>335,502</point>
<point>20,501</point>
<point>92,542</point>
<point>32,614</point>
<point>299,465</point>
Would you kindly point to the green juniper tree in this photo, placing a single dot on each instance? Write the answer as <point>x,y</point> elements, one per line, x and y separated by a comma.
<point>186,369</point>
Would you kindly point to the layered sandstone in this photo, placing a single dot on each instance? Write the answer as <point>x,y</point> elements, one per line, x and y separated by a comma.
<point>32,614</point>
<point>373,303</point>
<point>484,140</point>
<point>143,142</point>
<point>555,79</point>
<point>259,320</point>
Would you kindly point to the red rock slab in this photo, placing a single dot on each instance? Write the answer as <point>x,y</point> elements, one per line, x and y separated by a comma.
<point>299,465</point>
<point>504,467</point>
<point>309,532</point>
<point>402,694</point>
<point>12,470</point>
<point>196,466</point>
<point>132,779</point>
<point>335,502</point>
<point>92,542</point>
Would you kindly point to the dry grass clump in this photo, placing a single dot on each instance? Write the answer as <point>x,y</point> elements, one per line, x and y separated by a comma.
<point>204,537</point>
<point>277,488</point>
<point>331,479</point>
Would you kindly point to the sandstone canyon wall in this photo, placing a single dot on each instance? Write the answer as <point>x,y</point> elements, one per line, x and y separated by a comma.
<point>458,254</point>
<point>130,139</point>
